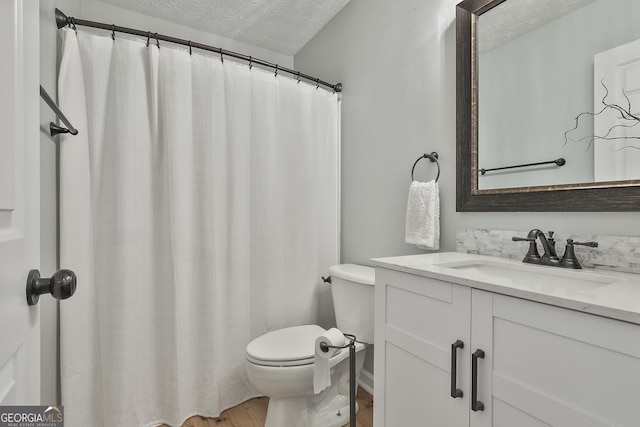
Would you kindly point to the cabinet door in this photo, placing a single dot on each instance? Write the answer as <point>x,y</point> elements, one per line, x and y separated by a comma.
<point>552,366</point>
<point>417,321</point>
<point>481,411</point>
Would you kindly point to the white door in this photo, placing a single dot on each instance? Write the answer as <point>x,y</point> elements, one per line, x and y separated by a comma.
<point>19,201</point>
<point>617,159</point>
<point>549,366</point>
<point>421,354</point>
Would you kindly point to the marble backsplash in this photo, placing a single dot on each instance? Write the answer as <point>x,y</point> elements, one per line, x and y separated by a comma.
<point>617,253</point>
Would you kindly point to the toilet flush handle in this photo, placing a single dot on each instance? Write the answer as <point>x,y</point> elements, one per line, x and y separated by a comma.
<point>326,279</point>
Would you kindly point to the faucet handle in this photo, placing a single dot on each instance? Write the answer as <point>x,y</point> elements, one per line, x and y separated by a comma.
<point>532,256</point>
<point>523,239</point>
<point>569,259</point>
<point>590,244</point>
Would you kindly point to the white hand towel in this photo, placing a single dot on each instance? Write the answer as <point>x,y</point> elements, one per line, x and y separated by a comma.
<point>423,215</point>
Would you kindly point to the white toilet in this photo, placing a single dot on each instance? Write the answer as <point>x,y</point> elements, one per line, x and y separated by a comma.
<point>280,363</point>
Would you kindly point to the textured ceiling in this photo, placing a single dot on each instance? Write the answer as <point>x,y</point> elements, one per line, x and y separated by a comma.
<point>514,18</point>
<point>282,26</point>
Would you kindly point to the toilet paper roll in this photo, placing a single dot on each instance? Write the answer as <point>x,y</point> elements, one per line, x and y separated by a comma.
<point>321,368</point>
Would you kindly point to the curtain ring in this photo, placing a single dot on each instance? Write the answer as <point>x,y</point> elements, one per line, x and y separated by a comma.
<point>148,37</point>
<point>250,62</point>
<point>298,78</point>
<point>190,49</point>
<point>317,83</point>
<point>221,58</point>
<point>113,32</point>
<point>157,41</point>
<point>276,73</point>
<point>73,24</point>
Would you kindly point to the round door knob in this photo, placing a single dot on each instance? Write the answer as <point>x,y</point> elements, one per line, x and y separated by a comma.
<point>61,285</point>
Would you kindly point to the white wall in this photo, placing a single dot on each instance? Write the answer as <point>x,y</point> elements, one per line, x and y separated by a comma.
<point>397,63</point>
<point>95,11</point>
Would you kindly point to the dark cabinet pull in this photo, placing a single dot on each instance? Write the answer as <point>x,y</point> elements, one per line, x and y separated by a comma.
<point>455,392</point>
<point>476,405</point>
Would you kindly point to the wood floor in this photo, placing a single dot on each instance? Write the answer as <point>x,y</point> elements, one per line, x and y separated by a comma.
<point>253,412</point>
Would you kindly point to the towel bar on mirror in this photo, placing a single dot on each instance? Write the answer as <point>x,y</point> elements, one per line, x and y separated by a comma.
<point>434,159</point>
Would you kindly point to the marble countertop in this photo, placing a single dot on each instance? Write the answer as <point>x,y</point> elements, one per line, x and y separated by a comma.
<point>603,293</point>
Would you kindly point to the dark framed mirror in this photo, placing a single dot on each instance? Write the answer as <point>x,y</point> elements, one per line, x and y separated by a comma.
<point>482,83</point>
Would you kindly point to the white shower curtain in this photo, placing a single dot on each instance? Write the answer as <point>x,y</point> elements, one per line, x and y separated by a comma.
<point>199,208</point>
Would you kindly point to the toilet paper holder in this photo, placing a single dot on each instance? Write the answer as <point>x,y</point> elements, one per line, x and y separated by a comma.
<point>352,372</point>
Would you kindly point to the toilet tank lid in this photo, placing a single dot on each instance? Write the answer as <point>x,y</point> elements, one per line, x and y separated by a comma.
<point>355,273</point>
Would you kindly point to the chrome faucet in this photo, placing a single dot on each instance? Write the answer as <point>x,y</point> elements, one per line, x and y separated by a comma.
<point>550,257</point>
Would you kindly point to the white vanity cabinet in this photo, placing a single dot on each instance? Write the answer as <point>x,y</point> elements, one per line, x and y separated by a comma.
<point>542,365</point>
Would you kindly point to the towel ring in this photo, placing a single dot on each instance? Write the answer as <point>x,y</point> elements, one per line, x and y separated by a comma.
<point>433,157</point>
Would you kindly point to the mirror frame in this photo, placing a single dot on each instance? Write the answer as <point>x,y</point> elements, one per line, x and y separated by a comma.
<point>589,197</point>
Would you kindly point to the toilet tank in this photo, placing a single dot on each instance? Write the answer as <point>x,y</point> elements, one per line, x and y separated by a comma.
<point>352,288</point>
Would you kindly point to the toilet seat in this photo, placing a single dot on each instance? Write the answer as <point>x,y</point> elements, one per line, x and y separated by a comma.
<point>292,346</point>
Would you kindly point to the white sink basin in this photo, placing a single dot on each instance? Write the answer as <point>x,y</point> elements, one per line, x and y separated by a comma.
<point>532,276</point>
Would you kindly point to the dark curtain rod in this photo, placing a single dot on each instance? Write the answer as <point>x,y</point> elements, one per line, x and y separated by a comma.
<point>63,20</point>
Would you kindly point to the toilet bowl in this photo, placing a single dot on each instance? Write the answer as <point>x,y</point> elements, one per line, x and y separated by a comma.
<point>280,364</point>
